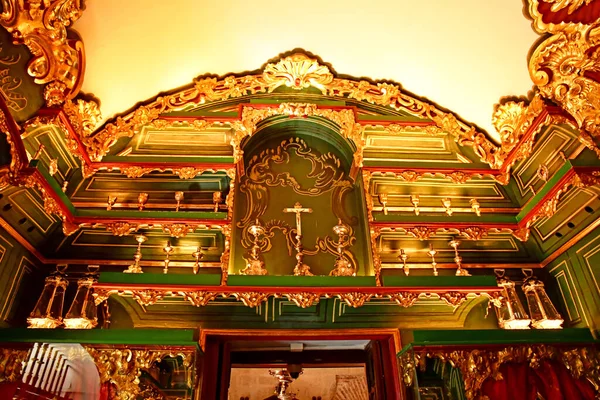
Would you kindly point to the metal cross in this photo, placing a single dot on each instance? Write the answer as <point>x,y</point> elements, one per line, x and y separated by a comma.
<point>297,209</point>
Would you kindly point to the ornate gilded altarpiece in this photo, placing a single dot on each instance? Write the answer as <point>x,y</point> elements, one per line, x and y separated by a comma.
<point>239,197</point>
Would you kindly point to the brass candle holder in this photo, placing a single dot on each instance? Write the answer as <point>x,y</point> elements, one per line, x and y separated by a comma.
<point>342,265</point>
<point>460,271</point>
<point>431,253</point>
<point>414,199</point>
<point>168,249</point>
<point>142,200</point>
<point>198,255</point>
<point>475,207</point>
<point>383,199</point>
<point>135,268</point>
<point>217,199</point>
<point>178,199</point>
<point>447,203</point>
<point>53,166</point>
<point>110,202</point>
<point>254,263</point>
<point>403,257</point>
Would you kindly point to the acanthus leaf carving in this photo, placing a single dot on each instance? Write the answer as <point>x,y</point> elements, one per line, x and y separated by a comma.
<point>57,60</point>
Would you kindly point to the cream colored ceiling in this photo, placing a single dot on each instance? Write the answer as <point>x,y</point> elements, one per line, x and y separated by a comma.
<point>462,54</point>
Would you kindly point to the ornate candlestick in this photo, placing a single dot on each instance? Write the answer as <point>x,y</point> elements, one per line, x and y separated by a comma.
<point>110,202</point>
<point>254,264</point>
<point>414,199</point>
<point>142,200</point>
<point>178,199</point>
<point>476,207</point>
<point>217,199</point>
<point>447,202</point>
<point>342,265</point>
<point>168,250</point>
<point>432,254</point>
<point>300,269</point>
<point>135,267</point>
<point>460,271</point>
<point>284,380</point>
<point>383,199</point>
<point>198,254</point>
<point>403,257</point>
<point>64,186</point>
<point>53,166</point>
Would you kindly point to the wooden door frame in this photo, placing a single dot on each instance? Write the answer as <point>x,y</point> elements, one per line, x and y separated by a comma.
<point>388,336</point>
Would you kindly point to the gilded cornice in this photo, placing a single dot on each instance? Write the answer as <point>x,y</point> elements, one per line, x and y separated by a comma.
<point>565,65</point>
<point>58,61</point>
<point>303,298</point>
<point>297,71</point>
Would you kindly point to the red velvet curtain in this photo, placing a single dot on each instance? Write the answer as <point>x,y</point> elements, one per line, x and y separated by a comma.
<point>552,380</point>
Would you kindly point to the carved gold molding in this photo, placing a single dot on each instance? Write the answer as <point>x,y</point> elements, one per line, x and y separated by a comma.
<point>478,365</point>
<point>564,65</point>
<point>178,230</point>
<point>297,71</point>
<point>304,299</point>
<point>58,62</point>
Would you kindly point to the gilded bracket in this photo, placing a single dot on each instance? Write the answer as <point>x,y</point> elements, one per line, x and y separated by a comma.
<point>58,62</point>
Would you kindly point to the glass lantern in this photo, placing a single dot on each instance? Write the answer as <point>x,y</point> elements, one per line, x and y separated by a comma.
<point>542,311</point>
<point>47,313</point>
<point>82,314</point>
<point>511,314</point>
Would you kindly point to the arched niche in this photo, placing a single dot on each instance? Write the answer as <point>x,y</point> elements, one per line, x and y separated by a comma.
<point>306,161</point>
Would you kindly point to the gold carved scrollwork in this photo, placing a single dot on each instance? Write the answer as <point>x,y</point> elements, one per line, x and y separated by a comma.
<point>198,298</point>
<point>122,366</point>
<point>252,299</point>
<point>355,299</point>
<point>304,299</point>
<point>420,232</point>
<point>563,67</point>
<point>188,172</point>
<point>11,364</point>
<point>178,230</point>
<point>135,171</point>
<point>404,299</point>
<point>297,71</point>
<point>474,232</point>
<point>453,299</point>
<point>42,26</point>
<point>375,232</point>
<point>100,295</point>
<point>476,366</point>
<point>121,228</point>
<point>147,297</point>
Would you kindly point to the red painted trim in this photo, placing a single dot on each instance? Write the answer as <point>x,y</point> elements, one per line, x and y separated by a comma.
<point>555,189</point>
<point>425,170</point>
<point>442,224</point>
<point>160,164</point>
<point>285,289</point>
<point>60,114</point>
<point>108,220</point>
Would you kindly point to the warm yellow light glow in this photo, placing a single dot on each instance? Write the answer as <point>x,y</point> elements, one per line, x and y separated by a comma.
<point>462,57</point>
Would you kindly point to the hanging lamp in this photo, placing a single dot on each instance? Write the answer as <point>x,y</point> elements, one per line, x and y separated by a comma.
<point>83,311</point>
<point>542,311</point>
<point>47,313</point>
<point>511,313</point>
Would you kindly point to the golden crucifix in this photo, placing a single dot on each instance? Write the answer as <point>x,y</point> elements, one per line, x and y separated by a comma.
<point>300,268</point>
